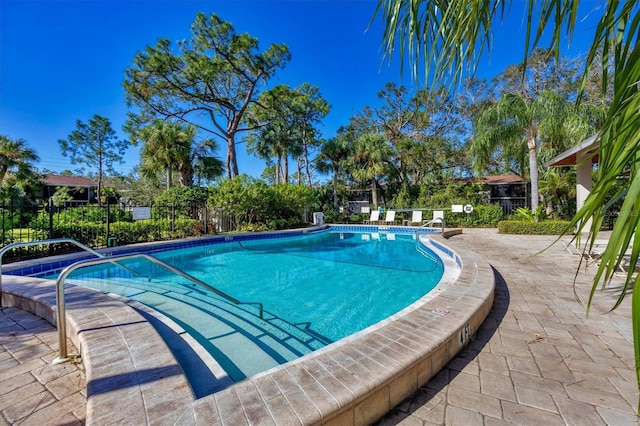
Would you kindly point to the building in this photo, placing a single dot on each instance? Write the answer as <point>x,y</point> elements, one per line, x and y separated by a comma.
<point>81,189</point>
<point>511,192</point>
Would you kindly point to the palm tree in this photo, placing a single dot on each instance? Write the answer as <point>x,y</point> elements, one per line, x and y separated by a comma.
<point>448,37</point>
<point>558,190</point>
<point>370,161</point>
<point>163,149</point>
<point>17,158</point>
<point>514,125</point>
<point>171,147</point>
<point>331,158</point>
<point>199,161</point>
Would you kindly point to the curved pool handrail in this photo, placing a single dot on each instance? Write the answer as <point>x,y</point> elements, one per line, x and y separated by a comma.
<point>48,242</point>
<point>60,312</point>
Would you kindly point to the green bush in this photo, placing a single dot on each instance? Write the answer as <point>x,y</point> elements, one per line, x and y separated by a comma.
<point>194,194</point>
<point>152,230</point>
<point>253,227</point>
<point>481,216</point>
<point>92,213</point>
<point>333,215</point>
<point>253,202</point>
<point>547,227</point>
<point>179,203</point>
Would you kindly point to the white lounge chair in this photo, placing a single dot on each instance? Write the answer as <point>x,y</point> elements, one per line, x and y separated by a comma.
<point>416,218</point>
<point>390,217</point>
<point>438,218</point>
<point>592,253</point>
<point>373,219</point>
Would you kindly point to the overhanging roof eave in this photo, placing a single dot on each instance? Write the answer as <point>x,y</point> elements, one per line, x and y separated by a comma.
<point>561,159</point>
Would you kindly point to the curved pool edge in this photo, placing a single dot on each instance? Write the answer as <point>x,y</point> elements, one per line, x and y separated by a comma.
<point>354,381</point>
<point>359,379</point>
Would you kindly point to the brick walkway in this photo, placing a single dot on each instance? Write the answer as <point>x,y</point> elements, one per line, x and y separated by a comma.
<point>536,360</point>
<point>33,391</point>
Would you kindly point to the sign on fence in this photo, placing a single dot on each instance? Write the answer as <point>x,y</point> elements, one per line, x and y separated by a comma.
<point>141,213</point>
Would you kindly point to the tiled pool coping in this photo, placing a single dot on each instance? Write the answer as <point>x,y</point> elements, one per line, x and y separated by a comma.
<point>132,375</point>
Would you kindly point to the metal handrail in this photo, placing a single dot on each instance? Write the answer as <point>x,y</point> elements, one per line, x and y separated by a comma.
<point>432,221</point>
<point>52,241</point>
<point>61,316</point>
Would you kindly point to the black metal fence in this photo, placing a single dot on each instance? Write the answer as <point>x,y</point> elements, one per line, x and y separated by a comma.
<point>100,226</point>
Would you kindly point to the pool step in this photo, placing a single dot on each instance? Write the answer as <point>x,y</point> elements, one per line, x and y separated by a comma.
<point>241,342</point>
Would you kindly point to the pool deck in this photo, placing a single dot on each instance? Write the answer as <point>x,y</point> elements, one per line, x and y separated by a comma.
<point>536,359</point>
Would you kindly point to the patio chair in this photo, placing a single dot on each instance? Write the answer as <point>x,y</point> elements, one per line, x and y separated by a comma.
<point>592,253</point>
<point>373,219</point>
<point>416,218</point>
<point>438,217</point>
<point>390,217</point>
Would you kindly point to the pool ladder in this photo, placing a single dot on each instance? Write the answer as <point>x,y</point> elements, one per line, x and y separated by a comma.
<point>60,302</point>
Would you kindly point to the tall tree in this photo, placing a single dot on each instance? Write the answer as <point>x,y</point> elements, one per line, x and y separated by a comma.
<point>96,145</point>
<point>276,132</point>
<point>16,158</point>
<point>449,36</point>
<point>332,157</point>
<point>164,147</point>
<point>515,125</point>
<point>309,108</point>
<point>173,147</point>
<point>423,128</point>
<point>216,74</point>
<point>370,160</point>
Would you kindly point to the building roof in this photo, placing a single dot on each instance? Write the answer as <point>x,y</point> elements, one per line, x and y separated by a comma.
<point>587,148</point>
<point>70,181</point>
<point>501,180</point>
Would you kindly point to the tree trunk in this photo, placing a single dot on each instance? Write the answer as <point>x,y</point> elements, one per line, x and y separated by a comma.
<point>533,172</point>
<point>279,169</point>
<point>232,161</point>
<point>186,175</point>
<point>169,178</point>
<point>306,164</point>
<point>3,173</point>
<point>374,193</point>
<point>285,172</point>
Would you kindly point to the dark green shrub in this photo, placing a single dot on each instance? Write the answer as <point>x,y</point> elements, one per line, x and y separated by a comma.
<point>481,216</point>
<point>251,201</point>
<point>332,215</point>
<point>253,227</point>
<point>547,227</point>
<point>181,196</point>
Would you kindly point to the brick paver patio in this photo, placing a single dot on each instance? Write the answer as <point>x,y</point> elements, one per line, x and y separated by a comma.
<point>33,391</point>
<point>537,358</point>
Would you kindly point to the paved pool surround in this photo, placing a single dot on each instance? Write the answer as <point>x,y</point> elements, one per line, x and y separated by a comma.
<point>132,376</point>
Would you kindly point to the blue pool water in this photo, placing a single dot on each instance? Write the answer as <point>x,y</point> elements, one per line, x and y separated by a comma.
<point>315,289</point>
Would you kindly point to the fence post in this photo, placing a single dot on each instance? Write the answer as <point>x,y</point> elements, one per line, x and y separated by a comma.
<point>206,219</point>
<point>108,220</point>
<point>4,230</point>
<point>50,218</point>
<point>173,217</point>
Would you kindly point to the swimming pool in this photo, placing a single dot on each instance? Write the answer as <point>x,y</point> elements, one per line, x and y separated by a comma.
<point>353,381</point>
<point>315,289</point>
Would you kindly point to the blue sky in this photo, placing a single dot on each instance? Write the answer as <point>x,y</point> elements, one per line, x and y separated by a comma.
<point>64,60</point>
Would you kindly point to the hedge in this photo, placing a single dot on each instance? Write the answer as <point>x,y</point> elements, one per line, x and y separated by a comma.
<point>546,227</point>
